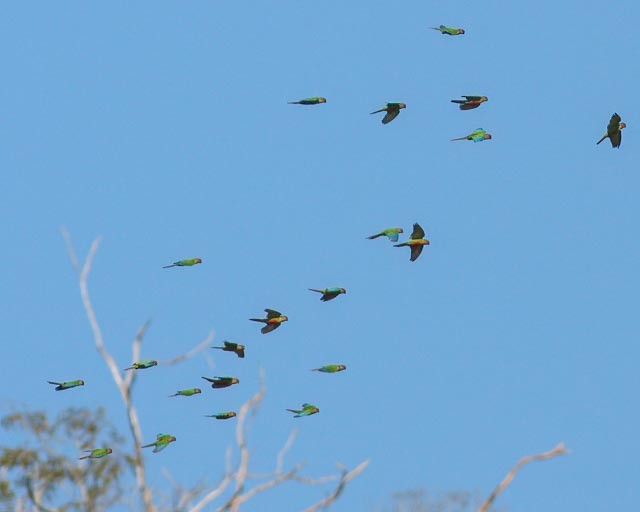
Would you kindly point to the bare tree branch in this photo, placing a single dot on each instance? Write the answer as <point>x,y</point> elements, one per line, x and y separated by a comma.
<point>123,385</point>
<point>558,450</point>
<point>34,496</point>
<point>346,477</point>
<point>195,350</point>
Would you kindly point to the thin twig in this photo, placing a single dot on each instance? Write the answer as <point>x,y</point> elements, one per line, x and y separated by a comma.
<point>198,348</point>
<point>558,450</point>
<point>344,480</point>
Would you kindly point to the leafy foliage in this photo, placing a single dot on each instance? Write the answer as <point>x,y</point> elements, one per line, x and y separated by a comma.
<point>44,471</point>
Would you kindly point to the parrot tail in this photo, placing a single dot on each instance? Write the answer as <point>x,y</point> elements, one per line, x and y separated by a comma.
<point>293,102</point>
<point>603,137</point>
<point>401,245</point>
<point>460,138</point>
<point>457,101</point>
<point>169,266</point>
<point>258,320</point>
<point>82,458</point>
<point>148,445</point>
<point>314,290</point>
<point>54,383</point>
<point>175,394</point>
<point>381,110</point>
<point>293,410</point>
<point>374,236</point>
<point>130,368</point>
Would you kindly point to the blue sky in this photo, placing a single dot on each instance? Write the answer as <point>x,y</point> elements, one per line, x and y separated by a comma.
<point>163,126</point>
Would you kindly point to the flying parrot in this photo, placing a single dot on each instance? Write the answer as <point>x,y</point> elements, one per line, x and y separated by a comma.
<point>477,135</point>
<point>470,102</point>
<point>449,31</point>
<point>187,392</point>
<point>61,386</point>
<point>162,441</point>
<point>614,131</point>
<point>222,415</point>
<point>185,263</point>
<point>417,242</point>
<point>391,234</point>
<point>330,368</point>
<point>96,453</point>
<point>329,293</point>
<point>222,382</point>
<point>392,110</point>
<point>232,347</point>
<point>273,320</point>
<point>314,100</point>
<point>307,410</point>
<point>141,365</point>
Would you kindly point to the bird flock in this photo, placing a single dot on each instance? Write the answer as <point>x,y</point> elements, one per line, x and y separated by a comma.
<point>274,319</point>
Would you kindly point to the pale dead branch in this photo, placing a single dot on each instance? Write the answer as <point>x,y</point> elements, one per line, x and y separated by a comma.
<point>558,450</point>
<point>346,477</point>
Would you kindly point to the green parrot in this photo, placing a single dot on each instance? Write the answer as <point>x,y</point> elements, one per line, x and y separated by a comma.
<point>187,392</point>
<point>614,131</point>
<point>470,102</point>
<point>222,382</point>
<point>185,263</point>
<point>417,242</point>
<point>162,441</point>
<point>449,31</point>
<point>329,293</point>
<point>330,368</point>
<point>222,415</point>
<point>141,365</point>
<point>61,386</point>
<point>307,410</point>
<point>391,234</point>
<point>96,453</point>
<point>314,100</point>
<point>478,135</point>
<point>233,347</point>
<point>392,110</point>
<point>273,320</point>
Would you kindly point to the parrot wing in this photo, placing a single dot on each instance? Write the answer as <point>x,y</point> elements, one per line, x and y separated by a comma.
<point>268,328</point>
<point>416,250</point>
<point>418,232</point>
<point>272,313</point>
<point>391,114</point>
<point>614,124</point>
<point>616,139</point>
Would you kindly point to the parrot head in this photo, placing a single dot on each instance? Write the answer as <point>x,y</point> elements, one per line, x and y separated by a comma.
<point>461,31</point>
<point>487,136</point>
<point>342,367</point>
<point>622,125</point>
<point>320,100</point>
<point>342,290</point>
<point>109,450</point>
<point>232,414</point>
<point>197,390</point>
<point>235,380</point>
<point>402,105</point>
<point>400,230</point>
<point>284,318</point>
<point>484,98</point>
<point>81,382</point>
<point>198,260</point>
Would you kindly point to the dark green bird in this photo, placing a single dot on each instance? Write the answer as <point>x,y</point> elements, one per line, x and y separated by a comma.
<point>222,382</point>
<point>329,293</point>
<point>162,441</point>
<point>61,386</point>
<point>391,234</point>
<point>273,320</point>
<point>417,242</point>
<point>449,31</point>
<point>141,365</point>
<point>314,100</point>
<point>185,263</point>
<point>392,110</point>
<point>307,410</point>
<point>222,415</point>
<point>330,368</point>
<point>614,131</point>
<point>187,392</point>
<point>96,453</point>
<point>232,347</point>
